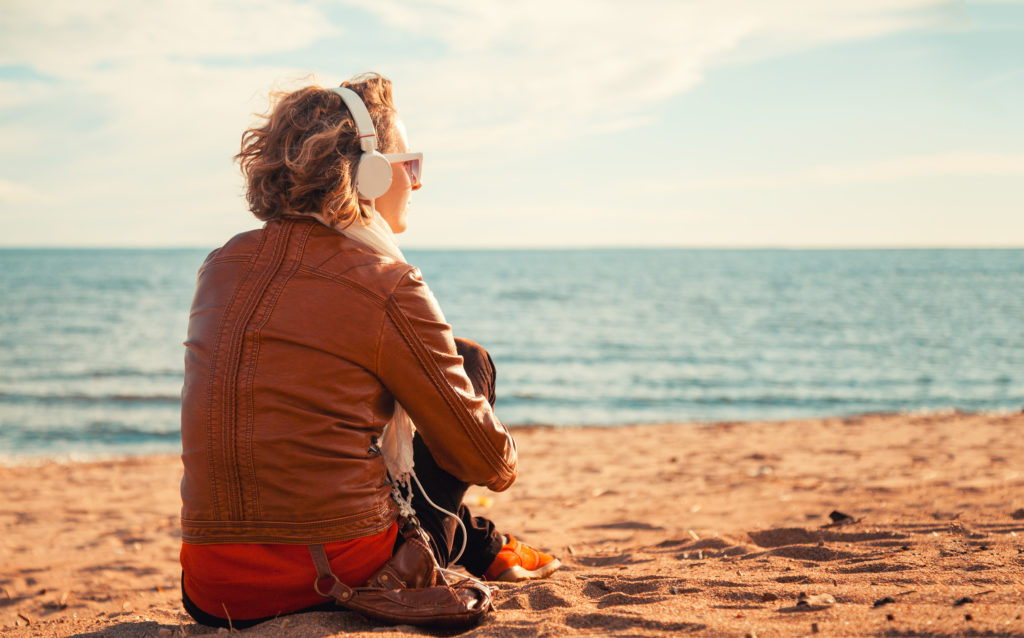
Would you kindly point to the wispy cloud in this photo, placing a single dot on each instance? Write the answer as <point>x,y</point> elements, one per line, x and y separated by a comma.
<point>942,165</point>
<point>532,71</point>
<point>68,38</point>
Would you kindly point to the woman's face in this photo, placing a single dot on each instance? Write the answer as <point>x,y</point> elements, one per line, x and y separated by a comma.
<point>393,205</point>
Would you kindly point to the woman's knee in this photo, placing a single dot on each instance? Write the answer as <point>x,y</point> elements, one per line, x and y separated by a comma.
<point>479,367</point>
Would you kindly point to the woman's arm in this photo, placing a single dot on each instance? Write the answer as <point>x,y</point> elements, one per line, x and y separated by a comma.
<point>418,362</point>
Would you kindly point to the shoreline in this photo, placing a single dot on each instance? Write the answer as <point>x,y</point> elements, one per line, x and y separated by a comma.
<point>711,530</point>
<point>36,459</point>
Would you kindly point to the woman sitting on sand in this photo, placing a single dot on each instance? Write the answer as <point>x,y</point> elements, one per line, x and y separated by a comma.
<point>305,338</point>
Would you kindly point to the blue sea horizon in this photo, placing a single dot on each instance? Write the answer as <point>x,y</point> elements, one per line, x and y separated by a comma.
<point>91,354</point>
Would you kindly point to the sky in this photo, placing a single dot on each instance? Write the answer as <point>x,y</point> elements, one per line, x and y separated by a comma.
<point>573,123</point>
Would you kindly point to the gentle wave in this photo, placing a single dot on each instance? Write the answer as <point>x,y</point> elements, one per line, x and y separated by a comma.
<point>94,432</point>
<point>52,399</point>
<point>129,374</point>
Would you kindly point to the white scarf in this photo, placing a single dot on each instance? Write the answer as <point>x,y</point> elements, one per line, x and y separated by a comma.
<point>395,442</point>
<point>376,235</point>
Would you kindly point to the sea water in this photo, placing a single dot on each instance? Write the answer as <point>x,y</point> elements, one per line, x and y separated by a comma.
<point>91,340</point>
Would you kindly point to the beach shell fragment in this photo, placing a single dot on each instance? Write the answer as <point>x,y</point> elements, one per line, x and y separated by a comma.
<point>814,602</point>
<point>819,599</point>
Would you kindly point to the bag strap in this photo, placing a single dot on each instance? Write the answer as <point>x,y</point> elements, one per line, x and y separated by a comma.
<point>337,590</point>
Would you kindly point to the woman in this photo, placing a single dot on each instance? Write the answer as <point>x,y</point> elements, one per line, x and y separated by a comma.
<point>305,339</point>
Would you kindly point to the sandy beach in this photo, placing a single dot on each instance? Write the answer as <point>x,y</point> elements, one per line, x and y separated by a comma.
<point>709,530</point>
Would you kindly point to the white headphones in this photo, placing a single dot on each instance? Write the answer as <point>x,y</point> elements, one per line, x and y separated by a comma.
<point>373,173</point>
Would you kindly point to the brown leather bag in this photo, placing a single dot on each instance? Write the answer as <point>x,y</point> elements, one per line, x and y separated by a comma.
<point>408,589</point>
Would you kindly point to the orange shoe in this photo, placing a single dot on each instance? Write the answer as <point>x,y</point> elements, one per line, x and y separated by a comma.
<point>517,561</point>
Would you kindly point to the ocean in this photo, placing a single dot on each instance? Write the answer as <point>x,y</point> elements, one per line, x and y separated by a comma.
<point>91,340</point>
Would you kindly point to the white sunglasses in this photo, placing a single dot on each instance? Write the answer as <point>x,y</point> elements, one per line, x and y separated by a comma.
<point>412,162</point>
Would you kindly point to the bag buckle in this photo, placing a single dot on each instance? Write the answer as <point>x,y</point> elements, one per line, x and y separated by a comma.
<point>336,589</point>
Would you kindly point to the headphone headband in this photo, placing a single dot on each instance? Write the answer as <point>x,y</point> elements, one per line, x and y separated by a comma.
<point>364,125</point>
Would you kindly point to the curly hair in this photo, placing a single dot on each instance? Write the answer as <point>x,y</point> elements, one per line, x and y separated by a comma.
<point>303,159</point>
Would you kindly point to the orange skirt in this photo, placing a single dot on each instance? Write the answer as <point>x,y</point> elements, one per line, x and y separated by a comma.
<point>248,581</point>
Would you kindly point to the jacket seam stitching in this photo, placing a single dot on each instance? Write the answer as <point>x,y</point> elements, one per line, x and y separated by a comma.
<point>345,281</point>
<point>357,517</point>
<point>225,259</point>
<point>454,404</point>
<point>268,309</point>
<point>383,322</point>
<point>211,393</point>
<point>238,343</point>
<point>199,532</point>
<point>351,251</point>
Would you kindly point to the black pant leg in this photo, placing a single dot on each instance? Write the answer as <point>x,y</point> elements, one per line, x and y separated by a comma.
<point>483,542</point>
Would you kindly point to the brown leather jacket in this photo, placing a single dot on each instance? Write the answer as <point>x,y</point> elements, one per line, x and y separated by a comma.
<point>299,341</point>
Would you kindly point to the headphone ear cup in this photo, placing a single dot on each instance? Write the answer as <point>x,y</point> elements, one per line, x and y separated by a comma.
<point>373,175</point>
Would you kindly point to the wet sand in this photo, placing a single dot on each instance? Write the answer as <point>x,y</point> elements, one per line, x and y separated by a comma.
<point>708,530</point>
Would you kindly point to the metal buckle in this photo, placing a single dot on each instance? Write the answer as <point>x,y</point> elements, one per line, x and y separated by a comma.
<point>316,584</point>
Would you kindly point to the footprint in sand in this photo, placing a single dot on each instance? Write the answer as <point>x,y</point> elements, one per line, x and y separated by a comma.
<point>811,552</point>
<point>700,549</point>
<point>618,598</point>
<point>635,590</point>
<point>800,536</point>
<point>537,596</point>
<point>739,599</point>
<point>627,525</point>
<point>630,585</point>
<point>610,622</point>
<point>605,561</point>
<point>874,568</point>
<point>792,579</point>
<point>809,545</point>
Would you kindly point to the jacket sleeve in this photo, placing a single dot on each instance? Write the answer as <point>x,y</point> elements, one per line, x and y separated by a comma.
<point>418,363</point>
